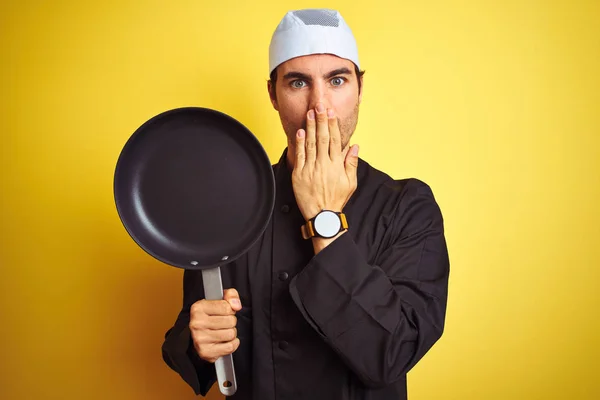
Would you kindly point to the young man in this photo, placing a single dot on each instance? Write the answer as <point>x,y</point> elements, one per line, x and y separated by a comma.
<point>346,290</point>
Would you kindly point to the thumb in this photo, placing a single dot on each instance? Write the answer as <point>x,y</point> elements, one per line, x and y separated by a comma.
<point>351,161</point>
<point>233,298</point>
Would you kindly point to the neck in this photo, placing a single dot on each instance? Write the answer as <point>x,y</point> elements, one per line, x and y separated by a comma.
<point>290,157</point>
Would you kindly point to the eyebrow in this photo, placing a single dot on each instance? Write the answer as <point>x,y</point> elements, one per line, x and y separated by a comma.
<point>331,74</point>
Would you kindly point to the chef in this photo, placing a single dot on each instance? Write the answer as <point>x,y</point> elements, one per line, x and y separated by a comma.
<point>346,290</point>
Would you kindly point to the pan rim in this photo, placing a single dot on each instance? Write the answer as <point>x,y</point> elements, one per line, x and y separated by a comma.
<point>258,151</point>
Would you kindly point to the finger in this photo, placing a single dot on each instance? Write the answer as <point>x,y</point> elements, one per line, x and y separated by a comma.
<point>233,297</point>
<point>214,322</point>
<point>351,161</point>
<point>216,350</point>
<point>211,336</point>
<point>218,335</point>
<point>322,133</point>
<point>225,348</point>
<point>311,150</point>
<point>335,137</point>
<point>218,307</point>
<point>345,151</point>
<point>300,150</point>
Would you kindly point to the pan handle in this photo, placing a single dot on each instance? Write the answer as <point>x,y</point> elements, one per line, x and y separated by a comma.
<point>213,290</point>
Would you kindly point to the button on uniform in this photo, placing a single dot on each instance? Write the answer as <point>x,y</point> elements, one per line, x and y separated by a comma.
<point>283,345</point>
<point>283,276</point>
<point>285,208</point>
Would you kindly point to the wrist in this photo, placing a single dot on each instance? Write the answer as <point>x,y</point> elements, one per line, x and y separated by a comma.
<point>326,224</point>
<point>312,213</point>
<point>320,243</point>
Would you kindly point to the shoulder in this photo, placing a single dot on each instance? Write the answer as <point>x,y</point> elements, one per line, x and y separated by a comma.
<point>374,182</point>
<point>403,202</point>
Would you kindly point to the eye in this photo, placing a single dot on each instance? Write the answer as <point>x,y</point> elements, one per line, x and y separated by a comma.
<point>298,84</point>
<point>338,81</point>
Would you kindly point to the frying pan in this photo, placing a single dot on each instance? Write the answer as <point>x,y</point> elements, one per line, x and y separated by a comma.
<point>195,189</point>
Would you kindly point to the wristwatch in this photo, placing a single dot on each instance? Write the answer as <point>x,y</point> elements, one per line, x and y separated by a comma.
<point>326,224</point>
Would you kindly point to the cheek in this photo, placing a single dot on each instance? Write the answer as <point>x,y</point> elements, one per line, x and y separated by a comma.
<point>345,98</point>
<point>292,110</point>
<point>345,105</point>
<point>352,96</point>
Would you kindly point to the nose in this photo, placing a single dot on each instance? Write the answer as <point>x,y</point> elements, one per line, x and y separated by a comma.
<point>318,94</point>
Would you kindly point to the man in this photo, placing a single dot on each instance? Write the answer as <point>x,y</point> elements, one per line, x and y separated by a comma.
<point>346,290</point>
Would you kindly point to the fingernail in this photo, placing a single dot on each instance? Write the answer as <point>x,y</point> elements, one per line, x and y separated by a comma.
<point>330,113</point>
<point>236,302</point>
<point>301,133</point>
<point>320,108</point>
<point>355,150</point>
<point>311,114</point>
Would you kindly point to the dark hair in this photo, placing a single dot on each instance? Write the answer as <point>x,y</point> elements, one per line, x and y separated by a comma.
<point>273,78</point>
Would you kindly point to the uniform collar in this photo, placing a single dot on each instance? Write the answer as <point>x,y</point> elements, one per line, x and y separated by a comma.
<point>283,179</point>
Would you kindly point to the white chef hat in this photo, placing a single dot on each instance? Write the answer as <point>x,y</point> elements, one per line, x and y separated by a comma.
<point>312,31</point>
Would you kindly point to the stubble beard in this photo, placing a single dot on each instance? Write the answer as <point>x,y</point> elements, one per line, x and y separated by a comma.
<point>347,127</point>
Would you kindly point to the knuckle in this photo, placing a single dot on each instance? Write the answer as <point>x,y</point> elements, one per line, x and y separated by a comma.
<point>196,322</point>
<point>224,308</point>
<point>230,335</point>
<point>194,325</point>
<point>227,348</point>
<point>231,346</point>
<point>198,337</point>
<point>224,335</point>
<point>228,310</point>
<point>203,353</point>
<point>197,307</point>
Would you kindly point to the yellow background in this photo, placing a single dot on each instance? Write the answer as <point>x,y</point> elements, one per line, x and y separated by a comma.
<point>495,104</point>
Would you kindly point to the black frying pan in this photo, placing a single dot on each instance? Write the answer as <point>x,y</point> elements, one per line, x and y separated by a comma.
<point>195,189</point>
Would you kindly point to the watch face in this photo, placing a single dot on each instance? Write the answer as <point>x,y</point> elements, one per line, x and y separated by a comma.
<point>327,224</point>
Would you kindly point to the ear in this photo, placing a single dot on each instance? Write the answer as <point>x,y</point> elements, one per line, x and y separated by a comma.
<point>272,95</point>
<point>362,88</point>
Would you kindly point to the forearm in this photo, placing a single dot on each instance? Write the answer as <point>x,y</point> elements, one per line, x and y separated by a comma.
<point>380,327</point>
<point>320,243</point>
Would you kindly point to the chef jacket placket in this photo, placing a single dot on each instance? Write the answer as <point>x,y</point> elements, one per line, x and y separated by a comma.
<point>290,254</point>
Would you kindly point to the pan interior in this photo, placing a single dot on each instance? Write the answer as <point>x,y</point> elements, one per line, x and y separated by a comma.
<point>195,188</point>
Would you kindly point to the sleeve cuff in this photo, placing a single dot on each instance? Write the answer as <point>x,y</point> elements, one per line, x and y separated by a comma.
<point>181,356</point>
<point>338,288</point>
